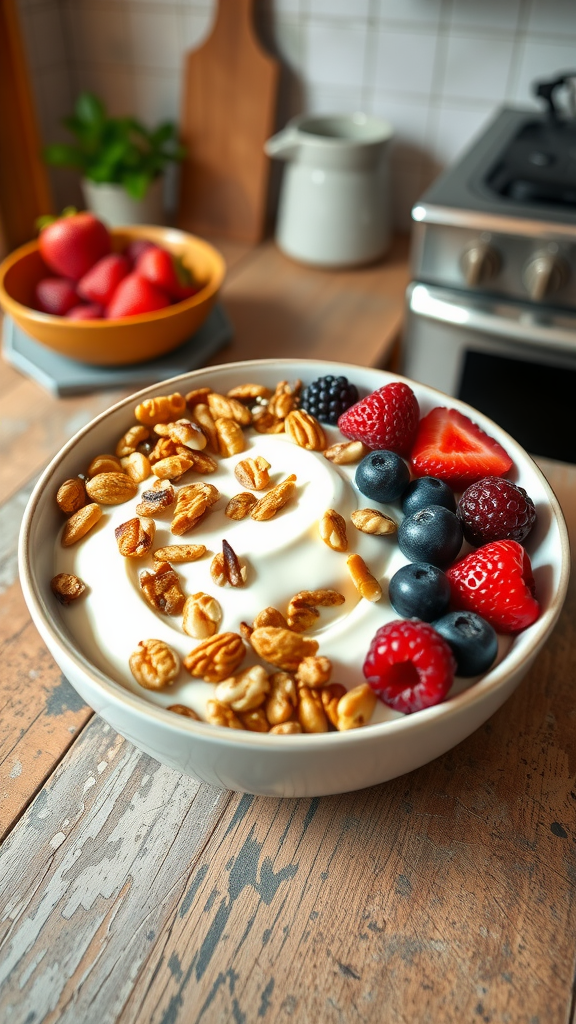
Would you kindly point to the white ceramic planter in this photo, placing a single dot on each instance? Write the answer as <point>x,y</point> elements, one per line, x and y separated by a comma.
<point>113,205</point>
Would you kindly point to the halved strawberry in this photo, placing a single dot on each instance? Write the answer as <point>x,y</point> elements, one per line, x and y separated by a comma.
<point>496,582</point>
<point>450,446</point>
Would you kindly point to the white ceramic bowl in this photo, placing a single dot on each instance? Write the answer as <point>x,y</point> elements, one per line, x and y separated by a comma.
<point>291,766</point>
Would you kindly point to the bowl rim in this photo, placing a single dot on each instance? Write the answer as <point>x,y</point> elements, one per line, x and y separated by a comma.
<point>16,308</point>
<point>116,693</point>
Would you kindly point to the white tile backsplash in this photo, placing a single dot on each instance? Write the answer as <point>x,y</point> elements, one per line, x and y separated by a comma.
<point>437,69</point>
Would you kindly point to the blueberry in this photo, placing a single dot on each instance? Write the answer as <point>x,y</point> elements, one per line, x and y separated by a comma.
<point>473,641</point>
<point>382,476</point>
<point>425,491</point>
<point>419,591</point>
<point>431,535</point>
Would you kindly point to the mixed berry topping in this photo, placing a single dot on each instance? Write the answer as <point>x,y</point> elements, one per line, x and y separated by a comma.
<point>495,509</point>
<point>382,476</point>
<point>473,641</point>
<point>450,446</point>
<point>388,419</point>
<point>496,582</point>
<point>431,535</point>
<point>328,397</point>
<point>425,491</point>
<point>419,591</point>
<point>409,665</point>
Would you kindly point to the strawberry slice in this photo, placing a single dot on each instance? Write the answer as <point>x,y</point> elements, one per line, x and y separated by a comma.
<point>450,446</point>
<point>496,582</point>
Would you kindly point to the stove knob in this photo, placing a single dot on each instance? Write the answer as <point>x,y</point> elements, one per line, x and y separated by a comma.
<point>480,263</point>
<point>544,274</point>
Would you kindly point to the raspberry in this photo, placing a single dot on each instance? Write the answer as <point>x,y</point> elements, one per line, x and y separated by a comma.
<point>386,419</point>
<point>328,397</point>
<point>495,509</point>
<point>409,665</point>
<point>496,582</point>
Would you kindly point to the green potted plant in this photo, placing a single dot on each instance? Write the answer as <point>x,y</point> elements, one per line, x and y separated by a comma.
<point>122,162</point>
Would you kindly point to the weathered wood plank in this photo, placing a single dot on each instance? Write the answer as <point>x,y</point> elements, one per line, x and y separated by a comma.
<point>108,845</point>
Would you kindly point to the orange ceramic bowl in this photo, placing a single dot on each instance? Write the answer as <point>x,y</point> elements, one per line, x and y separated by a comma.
<point>115,342</point>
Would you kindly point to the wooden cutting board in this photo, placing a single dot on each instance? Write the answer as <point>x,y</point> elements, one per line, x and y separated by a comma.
<point>229,105</point>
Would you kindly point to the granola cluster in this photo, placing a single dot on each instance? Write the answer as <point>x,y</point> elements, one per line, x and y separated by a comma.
<point>175,442</point>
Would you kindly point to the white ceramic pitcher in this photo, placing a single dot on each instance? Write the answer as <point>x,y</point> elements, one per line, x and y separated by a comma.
<point>334,202</point>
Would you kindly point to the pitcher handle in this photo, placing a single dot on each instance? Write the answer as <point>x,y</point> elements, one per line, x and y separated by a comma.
<point>284,145</point>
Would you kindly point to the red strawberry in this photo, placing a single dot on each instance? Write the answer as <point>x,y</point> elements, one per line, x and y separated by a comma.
<point>166,272</point>
<point>136,248</point>
<point>386,419</point>
<point>409,665</point>
<point>73,244</point>
<point>496,582</point>
<point>90,312</point>
<point>135,295</point>
<point>55,295</point>
<point>450,446</point>
<point>101,281</point>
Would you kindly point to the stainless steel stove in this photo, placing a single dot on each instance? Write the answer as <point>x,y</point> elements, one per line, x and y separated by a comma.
<point>492,307</point>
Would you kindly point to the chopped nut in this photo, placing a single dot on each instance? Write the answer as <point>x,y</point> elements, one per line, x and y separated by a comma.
<point>80,523</point>
<point>111,488</point>
<point>286,729</point>
<point>229,408</point>
<point>365,583</point>
<point>311,713</point>
<point>314,671</point>
<point>205,420</point>
<point>266,423</point>
<point>345,452</point>
<point>274,499</point>
<point>197,396</point>
<point>129,441</point>
<point>160,497</point>
<point>226,568</point>
<point>245,691</point>
<point>202,463</point>
<point>137,466</point>
<point>181,709</point>
<point>369,520</point>
<point>173,467</point>
<point>245,631</point>
<point>104,464</point>
<point>240,505</point>
<point>161,589</point>
<point>216,658</point>
<point>201,616</point>
<point>164,448</point>
<point>66,587</point>
<point>134,538</point>
<point>231,440</point>
<point>179,553</point>
<point>303,607</point>
<point>355,708</point>
<point>71,495</point>
<point>305,430</point>
<point>254,720</point>
<point>154,664</point>
<point>221,714</point>
<point>249,392</point>
<point>253,473</point>
<point>284,399</point>
<point>191,504</point>
<point>270,617</point>
<point>183,432</point>
<point>333,530</point>
<point>163,409</point>
<point>282,699</point>
<point>282,647</point>
<point>330,695</point>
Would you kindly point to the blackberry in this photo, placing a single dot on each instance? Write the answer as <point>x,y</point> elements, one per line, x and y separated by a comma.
<point>328,397</point>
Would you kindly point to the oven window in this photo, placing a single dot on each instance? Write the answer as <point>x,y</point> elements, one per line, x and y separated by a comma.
<point>534,402</point>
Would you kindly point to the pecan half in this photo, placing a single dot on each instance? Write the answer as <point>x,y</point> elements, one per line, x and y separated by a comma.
<point>369,520</point>
<point>154,664</point>
<point>345,452</point>
<point>231,439</point>
<point>305,430</point>
<point>162,409</point>
<point>240,505</point>
<point>274,499</point>
<point>303,607</point>
<point>191,504</point>
<point>229,408</point>
<point>201,616</point>
<point>71,495</point>
<point>160,497</point>
<point>197,396</point>
<point>253,473</point>
<point>67,587</point>
<point>216,658</point>
<point>161,589</point>
<point>80,523</point>
<point>284,399</point>
<point>134,538</point>
<point>249,392</point>
<point>333,530</point>
<point>282,647</point>
<point>365,583</point>
<point>265,422</point>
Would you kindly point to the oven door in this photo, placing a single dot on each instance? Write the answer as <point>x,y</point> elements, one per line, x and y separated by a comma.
<point>515,363</point>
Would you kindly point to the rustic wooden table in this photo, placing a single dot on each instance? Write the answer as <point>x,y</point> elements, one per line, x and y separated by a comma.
<point>132,894</point>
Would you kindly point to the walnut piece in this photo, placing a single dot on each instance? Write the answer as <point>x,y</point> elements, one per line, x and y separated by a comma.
<point>303,607</point>
<point>161,589</point>
<point>66,587</point>
<point>134,538</point>
<point>282,647</point>
<point>216,658</point>
<point>154,664</point>
<point>129,441</point>
<point>137,466</point>
<point>202,616</point>
<point>253,473</point>
<point>160,497</point>
<point>191,504</point>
